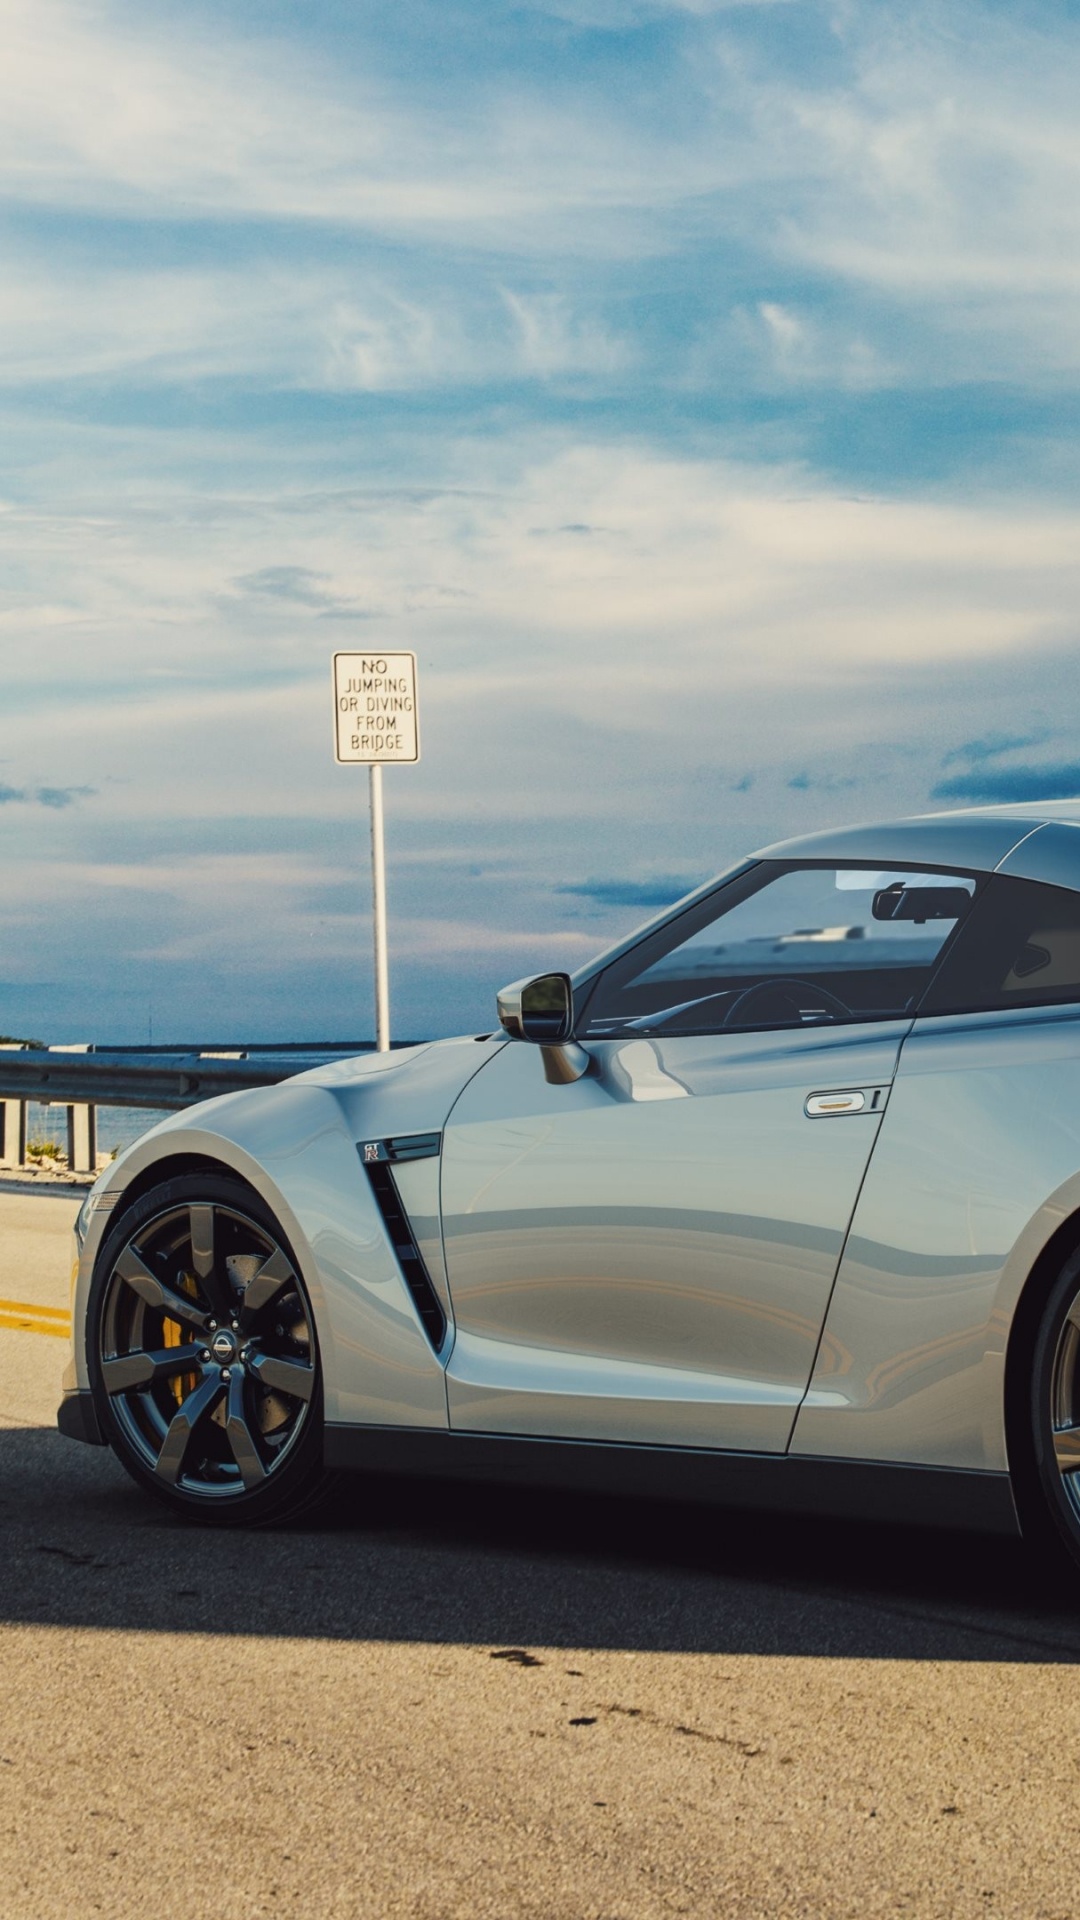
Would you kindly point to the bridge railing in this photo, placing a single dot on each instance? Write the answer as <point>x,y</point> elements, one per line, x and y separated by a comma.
<point>81,1079</point>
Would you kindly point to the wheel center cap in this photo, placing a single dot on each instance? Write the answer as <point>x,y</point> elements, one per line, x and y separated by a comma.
<point>224,1346</point>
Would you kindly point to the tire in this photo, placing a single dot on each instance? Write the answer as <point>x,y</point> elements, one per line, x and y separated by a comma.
<point>203,1357</point>
<point>1046,1476</point>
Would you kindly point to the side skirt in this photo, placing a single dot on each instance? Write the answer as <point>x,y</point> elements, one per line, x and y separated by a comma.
<point>777,1483</point>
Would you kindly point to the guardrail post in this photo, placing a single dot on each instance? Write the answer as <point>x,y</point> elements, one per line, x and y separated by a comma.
<point>13,1133</point>
<point>13,1119</point>
<point>82,1139</point>
<point>81,1122</point>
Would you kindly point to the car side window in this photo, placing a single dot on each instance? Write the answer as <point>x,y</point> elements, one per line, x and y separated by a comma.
<point>786,946</point>
<point>1019,948</point>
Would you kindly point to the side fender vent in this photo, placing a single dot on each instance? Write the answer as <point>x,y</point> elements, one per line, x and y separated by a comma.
<point>414,1273</point>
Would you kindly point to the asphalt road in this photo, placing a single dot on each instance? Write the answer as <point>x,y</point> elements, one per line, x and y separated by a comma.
<point>444,1704</point>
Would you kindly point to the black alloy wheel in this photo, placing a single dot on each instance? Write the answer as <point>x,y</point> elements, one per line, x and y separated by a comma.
<point>202,1355</point>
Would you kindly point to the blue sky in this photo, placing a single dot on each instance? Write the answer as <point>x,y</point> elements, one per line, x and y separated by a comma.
<point>693,386</point>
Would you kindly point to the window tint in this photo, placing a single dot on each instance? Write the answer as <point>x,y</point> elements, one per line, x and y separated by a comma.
<point>1019,948</point>
<point>786,946</point>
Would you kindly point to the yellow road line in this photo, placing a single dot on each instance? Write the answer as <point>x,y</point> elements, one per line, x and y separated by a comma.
<point>33,1306</point>
<point>28,1317</point>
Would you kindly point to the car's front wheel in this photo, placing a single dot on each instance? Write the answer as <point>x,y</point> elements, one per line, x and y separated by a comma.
<point>203,1357</point>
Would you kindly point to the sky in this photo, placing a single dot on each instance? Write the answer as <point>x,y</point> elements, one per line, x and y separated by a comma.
<point>694,387</point>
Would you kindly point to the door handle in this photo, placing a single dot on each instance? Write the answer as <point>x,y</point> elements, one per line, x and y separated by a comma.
<point>841,1100</point>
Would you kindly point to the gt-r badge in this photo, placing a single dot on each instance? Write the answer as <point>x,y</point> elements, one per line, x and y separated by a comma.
<point>371,1151</point>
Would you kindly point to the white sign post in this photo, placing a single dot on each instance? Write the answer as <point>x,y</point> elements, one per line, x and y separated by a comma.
<point>375,723</point>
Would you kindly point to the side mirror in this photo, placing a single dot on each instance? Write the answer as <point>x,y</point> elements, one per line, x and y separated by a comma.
<point>540,1009</point>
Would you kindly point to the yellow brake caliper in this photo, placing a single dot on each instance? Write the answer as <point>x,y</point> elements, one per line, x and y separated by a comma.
<point>182,1383</point>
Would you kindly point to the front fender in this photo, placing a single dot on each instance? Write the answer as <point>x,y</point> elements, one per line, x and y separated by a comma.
<point>296,1145</point>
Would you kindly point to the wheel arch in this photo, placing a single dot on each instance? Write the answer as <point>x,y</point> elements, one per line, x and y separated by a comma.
<point>218,1156</point>
<point>175,1166</point>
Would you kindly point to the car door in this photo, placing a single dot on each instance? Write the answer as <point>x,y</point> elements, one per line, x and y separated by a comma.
<point>646,1254</point>
<point>981,1147</point>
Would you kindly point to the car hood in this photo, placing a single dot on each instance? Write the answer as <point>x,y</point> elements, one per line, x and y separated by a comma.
<point>410,1090</point>
<point>365,1066</point>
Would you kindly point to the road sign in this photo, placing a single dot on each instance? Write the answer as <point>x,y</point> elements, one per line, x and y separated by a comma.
<point>375,725</point>
<point>375,722</point>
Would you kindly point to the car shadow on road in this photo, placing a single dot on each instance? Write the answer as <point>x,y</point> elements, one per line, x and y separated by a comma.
<point>401,1560</point>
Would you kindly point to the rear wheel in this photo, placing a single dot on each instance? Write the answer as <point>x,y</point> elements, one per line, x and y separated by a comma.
<point>1054,1403</point>
<point>203,1358</point>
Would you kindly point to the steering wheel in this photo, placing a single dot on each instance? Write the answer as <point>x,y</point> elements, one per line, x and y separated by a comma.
<point>784,990</point>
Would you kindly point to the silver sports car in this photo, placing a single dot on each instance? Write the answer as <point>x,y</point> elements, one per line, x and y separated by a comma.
<point>775,1204</point>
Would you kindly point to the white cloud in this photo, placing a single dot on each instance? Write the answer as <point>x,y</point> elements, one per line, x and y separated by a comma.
<point>946,169</point>
<point>788,332</point>
<point>799,351</point>
<point>101,108</point>
<point>619,15</point>
<point>591,586</point>
<point>554,340</point>
<point>260,320</point>
<point>939,173</point>
<point>69,322</point>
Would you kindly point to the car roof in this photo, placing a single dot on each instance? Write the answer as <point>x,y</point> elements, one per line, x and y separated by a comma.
<point>1038,840</point>
<point>1033,840</point>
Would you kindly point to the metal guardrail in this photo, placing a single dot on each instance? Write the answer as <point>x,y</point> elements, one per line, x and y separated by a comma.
<point>115,1080</point>
<point>81,1079</point>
